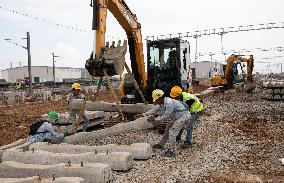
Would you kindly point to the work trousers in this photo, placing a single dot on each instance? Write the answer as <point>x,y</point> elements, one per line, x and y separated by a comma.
<point>73,114</point>
<point>173,129</point>
<point>189,128</point>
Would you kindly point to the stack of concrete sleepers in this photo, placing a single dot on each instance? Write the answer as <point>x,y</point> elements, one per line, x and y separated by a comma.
<point>65,123</point>
<point>46,162</point>
<point>43,95</point>
<point>274,90</point>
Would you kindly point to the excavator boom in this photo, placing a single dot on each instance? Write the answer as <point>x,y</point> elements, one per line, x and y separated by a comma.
<point>112,58</point>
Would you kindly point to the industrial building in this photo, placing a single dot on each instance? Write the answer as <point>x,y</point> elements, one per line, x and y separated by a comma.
<point>43,73</point>
<point>206,69</point>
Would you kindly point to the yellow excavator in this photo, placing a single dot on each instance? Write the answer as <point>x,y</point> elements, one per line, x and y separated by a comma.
<point>230,70</point>
<point>168,60</point>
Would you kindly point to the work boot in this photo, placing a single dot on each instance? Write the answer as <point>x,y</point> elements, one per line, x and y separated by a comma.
<point>178,137</point>
<point>186,145</point>
<point>170,153</point>
<point>157,146</point>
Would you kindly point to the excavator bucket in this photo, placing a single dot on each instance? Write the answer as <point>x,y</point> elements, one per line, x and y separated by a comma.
<point>249,86</point>
<point>111,59</point>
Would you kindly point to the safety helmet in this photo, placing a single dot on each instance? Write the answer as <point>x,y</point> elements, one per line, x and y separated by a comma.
<point>175,91</point>
<point>76,86</point>
<point>53,115</point>
<point>157,94</point>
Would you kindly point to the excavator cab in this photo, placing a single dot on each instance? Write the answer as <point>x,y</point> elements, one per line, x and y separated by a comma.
<point>168,63</point>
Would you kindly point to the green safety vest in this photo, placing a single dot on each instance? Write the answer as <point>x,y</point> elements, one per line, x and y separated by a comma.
<point>197,106</point>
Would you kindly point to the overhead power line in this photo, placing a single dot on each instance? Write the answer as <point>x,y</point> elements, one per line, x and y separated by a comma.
<point>243,51</point>
<point>219,31</point>
<point>43,20</point>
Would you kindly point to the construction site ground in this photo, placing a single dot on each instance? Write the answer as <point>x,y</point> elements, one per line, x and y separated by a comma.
<point>238,135</point>
<point>16,120</point>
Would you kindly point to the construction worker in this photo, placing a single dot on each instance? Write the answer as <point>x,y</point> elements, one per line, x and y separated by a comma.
<point>43,131</point>
<point>76,94</point>
<point>168,108</point>
<point>195,107</point>
<point>171,60</point>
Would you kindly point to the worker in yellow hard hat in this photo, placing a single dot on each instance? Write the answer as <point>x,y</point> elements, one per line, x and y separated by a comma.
<point>172,109</point>
<point>195,107</point>
<point>76,94</point>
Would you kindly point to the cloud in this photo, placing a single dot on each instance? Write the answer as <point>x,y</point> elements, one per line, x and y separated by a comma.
<point>69,56</point>
<point>157,17</point>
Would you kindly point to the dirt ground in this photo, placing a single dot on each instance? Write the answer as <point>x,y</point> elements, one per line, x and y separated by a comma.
<point>16,120</point>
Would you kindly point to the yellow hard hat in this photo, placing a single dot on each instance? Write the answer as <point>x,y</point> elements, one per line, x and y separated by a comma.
<point>175,91</point>
<point>76,86</point>
<point>157,94</point>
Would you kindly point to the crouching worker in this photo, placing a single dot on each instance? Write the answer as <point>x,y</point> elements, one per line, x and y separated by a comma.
<point>43,131</point>
<point>168,108</point>
<point>76,94</point>
<point>195,108</point>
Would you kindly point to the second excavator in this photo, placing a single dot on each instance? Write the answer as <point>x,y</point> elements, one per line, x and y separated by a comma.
<point>231,73</point>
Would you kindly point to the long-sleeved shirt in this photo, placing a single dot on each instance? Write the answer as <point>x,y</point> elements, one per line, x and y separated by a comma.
<point>71,96</point>
<point>171,108</point>
<point>45,132</point>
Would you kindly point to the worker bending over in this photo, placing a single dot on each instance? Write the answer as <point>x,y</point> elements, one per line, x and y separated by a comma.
<point>76,94</point>
<point>195,107</point>
<point>43,131</point>
<point>168,108</point>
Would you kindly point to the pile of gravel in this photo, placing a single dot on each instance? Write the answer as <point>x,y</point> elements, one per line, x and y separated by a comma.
<point>222,142</point>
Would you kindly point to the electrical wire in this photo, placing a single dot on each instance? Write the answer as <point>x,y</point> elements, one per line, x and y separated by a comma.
<point>43,20</point>
<point>219,31</point>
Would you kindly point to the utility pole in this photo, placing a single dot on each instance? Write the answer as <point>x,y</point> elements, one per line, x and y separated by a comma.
<point>211,55</point>
<point>11,65</point>
<point>222,44</point>
<point>281,49</point>
<point>20,64</point>
<point>53,67</point>
<point>28,48</point>
<point>196,36</point>
<point>29,62</point>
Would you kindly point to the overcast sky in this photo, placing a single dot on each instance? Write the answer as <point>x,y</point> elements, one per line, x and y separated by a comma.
<point>156,16</point>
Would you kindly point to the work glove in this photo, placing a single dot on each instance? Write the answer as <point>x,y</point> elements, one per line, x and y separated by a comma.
<point>66,134</point>
<point>151,119</point>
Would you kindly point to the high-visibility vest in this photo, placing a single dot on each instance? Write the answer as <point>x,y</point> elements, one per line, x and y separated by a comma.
<point>197,106</point>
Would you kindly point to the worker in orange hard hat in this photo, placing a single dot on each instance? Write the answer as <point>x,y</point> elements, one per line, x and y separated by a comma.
<point>76,94</point>
<point>168,108</point>
<point>195,107</point>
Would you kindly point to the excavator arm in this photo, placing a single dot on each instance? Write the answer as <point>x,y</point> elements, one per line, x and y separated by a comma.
<point>112,58</point>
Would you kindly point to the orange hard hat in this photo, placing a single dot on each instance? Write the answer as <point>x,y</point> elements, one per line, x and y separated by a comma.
<point>175,91</point>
